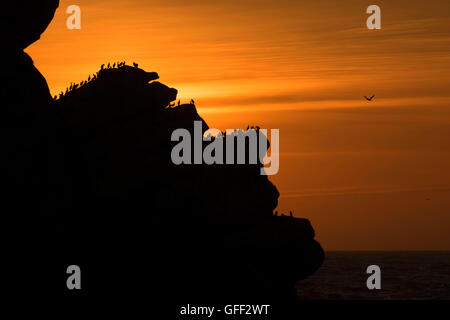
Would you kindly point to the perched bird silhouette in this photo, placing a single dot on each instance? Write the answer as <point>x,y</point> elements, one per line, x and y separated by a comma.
<point>192,101</point>
<point>290,213</point>
<point>178,102</point>
<point>369,99</point>
<point>135,64</point>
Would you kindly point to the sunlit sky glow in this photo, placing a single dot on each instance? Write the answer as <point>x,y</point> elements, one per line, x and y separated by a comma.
<point>360,171</point>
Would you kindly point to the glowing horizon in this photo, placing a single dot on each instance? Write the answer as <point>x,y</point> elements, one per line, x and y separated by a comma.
<point>304,68</point>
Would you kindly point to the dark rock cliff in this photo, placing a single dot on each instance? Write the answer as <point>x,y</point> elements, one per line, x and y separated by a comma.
<point>89,180</point>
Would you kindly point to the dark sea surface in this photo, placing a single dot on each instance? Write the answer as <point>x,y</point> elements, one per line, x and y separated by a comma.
<point>406,275</point>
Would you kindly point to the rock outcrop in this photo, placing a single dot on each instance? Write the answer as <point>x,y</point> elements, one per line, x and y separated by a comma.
<point>209,226</point>
<point>90,181</point>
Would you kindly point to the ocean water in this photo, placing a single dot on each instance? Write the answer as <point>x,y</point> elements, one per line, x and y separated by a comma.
<point>414,275</point>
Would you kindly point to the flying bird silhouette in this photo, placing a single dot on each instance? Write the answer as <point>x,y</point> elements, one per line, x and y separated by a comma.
<point>369,99</point>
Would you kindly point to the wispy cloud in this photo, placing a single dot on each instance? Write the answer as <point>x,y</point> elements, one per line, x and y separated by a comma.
<point>356,190</point>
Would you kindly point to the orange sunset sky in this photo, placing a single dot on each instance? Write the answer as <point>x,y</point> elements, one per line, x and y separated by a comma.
<point>369,175</point>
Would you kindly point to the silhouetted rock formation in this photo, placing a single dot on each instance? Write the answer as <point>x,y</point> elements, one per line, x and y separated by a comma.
<point>22,22</point>
<point>31,162</point>
<point>210,227</point>
<point>90,181</point>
